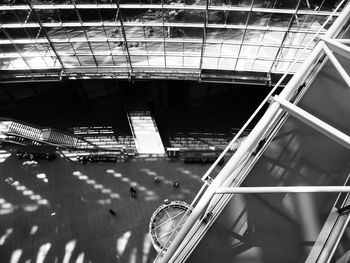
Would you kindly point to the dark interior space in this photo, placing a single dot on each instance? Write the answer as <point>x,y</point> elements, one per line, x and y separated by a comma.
<point>178,106</point>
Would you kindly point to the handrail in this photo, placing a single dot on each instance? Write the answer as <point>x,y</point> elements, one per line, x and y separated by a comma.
<point>258,131</point>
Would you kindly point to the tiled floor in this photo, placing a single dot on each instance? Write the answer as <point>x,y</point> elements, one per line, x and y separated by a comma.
<point>58,211</point>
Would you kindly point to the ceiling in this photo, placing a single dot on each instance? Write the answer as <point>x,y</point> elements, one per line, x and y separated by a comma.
<point>235,40</point>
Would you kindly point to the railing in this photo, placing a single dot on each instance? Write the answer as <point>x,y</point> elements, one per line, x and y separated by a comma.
<point>272,118</point>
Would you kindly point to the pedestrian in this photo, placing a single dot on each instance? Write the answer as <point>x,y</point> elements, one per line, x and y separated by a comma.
<point>132,192</point>
<point>112,212</point>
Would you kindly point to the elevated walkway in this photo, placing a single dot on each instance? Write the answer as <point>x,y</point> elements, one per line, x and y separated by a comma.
<point>145,132</point>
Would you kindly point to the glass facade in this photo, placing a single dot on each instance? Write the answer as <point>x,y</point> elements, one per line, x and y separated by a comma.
<point>128,38</point>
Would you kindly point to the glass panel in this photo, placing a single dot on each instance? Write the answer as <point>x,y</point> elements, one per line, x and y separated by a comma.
<point>285,225</point>
<point>133,32</point>
<point>119,48</point>
<point>244,64</point>
<point>217,17</point>
<point>237,18</point>
<point>23,15</point>
<point>174,61</point>
<point>32,32</point>
<point>174,47</point>
<point>268,52</point>
<point>154,32</point>
<point>195,2</point>
<point>194,16</point>
<point>191,61</point>
<point>8,16</point>
<point>108,14</point>
<point>131,15</point>
<point>249,51</point>
<point>174,16</point>
<point>210,62</point>
<point>152,15</point>
<point>8,48</point>
<point>215,33</point>
<point>230,2</point>
<point>265,3</point>
<point>156,61</point>
<point>14,2</point>
<point>18,63</point>
<point>56,33</point>
<point>81,47</point>
<point>139,60</point>
<point>315,5</point>
<point>156,47</point>
<point>280,66</point>
<point>289,4</point>
<point>99,46</point>
<point>289,53</point>
<point>231,50</point>
<point>273,37</point>
<point>120,61</point>
<point>87,60</point>
<point>181,32</point>
<point>194,48</point>
<point>234,34</point>
<point>137,47</point>
<point>262,65</point>
<point>95,31</point>
<point>70,61</point>
<point>318,22</point>
<point>253,36</point>
<point>342,252</point>
<point>40,62</point>
<point>329,90</point>
<point>89,15</point>
<point>75,32</point>
<point>227,63</point>
<point>212,49</point>
<point>5,64</point>
<point>155,2</point>
<point>68,15</point>
<point>2,35</point>
<point>329,5</point>
<point>16,33</point>
<point>104,60</point>
<point>85,2</point>
<point>280,20</point>
<point>258,19</point>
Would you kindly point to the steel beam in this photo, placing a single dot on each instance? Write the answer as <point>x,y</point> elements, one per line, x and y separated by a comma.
<point>314,122</point>
<point>336,46</point>
<point>283,189</point>
<point>337,65</point>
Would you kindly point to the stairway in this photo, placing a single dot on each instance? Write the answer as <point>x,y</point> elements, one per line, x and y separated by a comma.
<point>145,132</point>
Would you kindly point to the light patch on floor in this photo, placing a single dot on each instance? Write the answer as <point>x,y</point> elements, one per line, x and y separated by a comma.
<point>43,252</point>
<point>34,229</point>
<point>147,244</point>
<point>80,258</point>
<point>5,236</point>
<point>16,255</point>
<point>70,246</point>
<point>122,242</point>
<point>133,255</point>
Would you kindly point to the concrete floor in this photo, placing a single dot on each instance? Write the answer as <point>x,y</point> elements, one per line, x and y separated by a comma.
<point>58,211</point>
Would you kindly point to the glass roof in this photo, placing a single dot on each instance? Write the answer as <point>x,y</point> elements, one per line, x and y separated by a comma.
<point>146,38</point>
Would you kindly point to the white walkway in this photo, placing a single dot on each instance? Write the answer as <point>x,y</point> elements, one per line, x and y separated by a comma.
<point>146,135</point>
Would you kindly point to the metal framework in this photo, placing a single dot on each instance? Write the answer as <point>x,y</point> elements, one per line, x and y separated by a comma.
<point>186,38</point>
<point>246,155</point>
